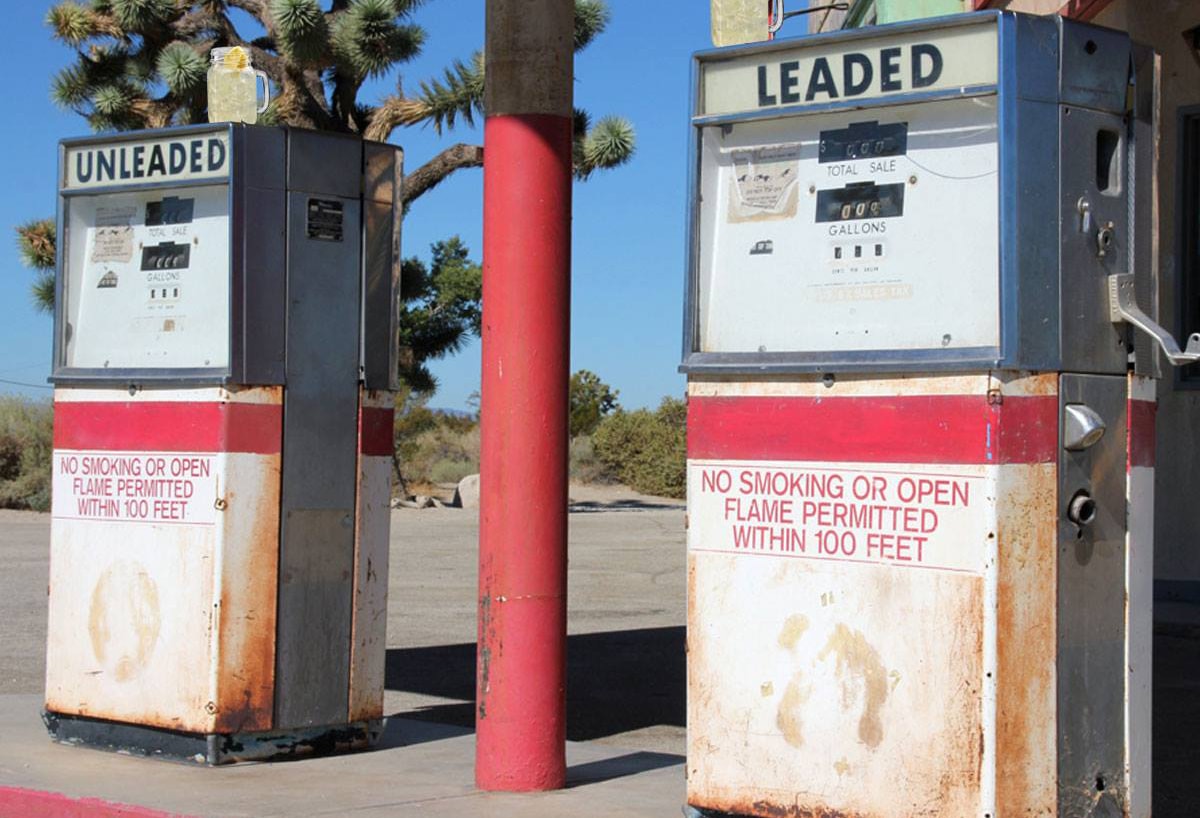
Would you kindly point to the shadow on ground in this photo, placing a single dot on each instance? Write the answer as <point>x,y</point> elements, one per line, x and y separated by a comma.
<point>589,506</point>
<point>616,681</point>
<point>1176,722</point>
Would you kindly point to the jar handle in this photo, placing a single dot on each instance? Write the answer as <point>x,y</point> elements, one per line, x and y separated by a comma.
<point>266,90</point>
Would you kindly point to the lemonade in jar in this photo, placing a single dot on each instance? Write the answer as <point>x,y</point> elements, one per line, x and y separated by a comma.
<point>233,87</point>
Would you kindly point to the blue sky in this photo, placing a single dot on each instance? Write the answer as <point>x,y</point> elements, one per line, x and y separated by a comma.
<point>628,226</point>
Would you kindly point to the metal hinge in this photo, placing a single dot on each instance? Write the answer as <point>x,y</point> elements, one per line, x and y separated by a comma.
<point>1122,306</point>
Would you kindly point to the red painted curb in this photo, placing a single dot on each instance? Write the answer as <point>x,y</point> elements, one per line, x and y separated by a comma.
<point>16,802</point>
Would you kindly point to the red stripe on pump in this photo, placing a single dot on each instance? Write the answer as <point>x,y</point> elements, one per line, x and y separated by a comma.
<point>375,433</point>
<point>1142,415</point>
<point>890,429</point>
<point>169,426</point>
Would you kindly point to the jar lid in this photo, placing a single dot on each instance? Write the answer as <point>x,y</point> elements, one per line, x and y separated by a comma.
<point>235,57</point>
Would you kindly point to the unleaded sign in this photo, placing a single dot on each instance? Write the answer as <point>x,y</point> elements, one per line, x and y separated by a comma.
<point>169,159</point>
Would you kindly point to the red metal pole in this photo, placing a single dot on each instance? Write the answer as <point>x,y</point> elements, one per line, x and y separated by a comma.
<point>521,709</point>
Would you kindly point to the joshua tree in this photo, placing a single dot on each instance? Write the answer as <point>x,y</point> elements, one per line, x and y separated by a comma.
<point>143,64</point>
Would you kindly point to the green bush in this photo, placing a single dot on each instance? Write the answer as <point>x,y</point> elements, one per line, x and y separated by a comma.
<point>647,450</point>
<point>585,466</point>
<point>439,449</point>
<point>26,444</point>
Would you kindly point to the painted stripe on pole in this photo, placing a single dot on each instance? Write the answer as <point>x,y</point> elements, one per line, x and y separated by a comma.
<point>902,429</point>
<point>249,428</point>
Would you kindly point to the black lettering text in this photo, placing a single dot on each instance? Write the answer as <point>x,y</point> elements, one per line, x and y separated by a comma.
<point>890,69</point>
<point>851,86</point>
<point>216,154</point>
<point>158,165</point>
<point>106,165</point>
<point>920,77</point>
<point>139,161</point>
<point>197,156</point>
<point>178,156</point>
<point>821,81</point>
<point>789,81</point>
<point>765,98</point>
<point>84,176</point>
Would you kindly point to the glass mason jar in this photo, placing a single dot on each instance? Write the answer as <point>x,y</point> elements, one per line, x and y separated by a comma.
<point>233,87</point>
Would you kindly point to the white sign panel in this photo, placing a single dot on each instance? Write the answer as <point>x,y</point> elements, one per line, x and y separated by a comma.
<point>923,61</point>
<point>147,276</point>
<point>903,516</point>
<point>851,231</point>
<point>171,488</point>
<point>164,159</point>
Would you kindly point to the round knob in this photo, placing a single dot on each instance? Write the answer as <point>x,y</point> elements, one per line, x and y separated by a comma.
<point>1082,510</point>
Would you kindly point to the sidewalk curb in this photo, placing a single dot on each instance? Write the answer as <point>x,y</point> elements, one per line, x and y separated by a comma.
<point>16,802</point>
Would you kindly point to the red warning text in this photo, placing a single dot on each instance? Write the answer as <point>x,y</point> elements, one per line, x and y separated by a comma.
<point>141,487</point>
<point>914,518</point>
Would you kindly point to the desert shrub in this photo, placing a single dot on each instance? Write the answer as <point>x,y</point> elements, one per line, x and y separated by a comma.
<point>451,471</point>
<point>585,466</point>
<point>444,452</point>
<point>647,450</point>
<point>26,444</point>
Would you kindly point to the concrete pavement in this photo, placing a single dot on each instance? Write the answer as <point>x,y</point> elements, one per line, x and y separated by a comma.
<point>626,688</point>
<point>625,685</point>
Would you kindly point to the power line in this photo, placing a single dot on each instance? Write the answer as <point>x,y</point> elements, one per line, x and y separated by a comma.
<point>21,383</point>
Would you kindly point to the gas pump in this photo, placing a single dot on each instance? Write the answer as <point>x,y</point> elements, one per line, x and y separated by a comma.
<point>225,333</point>
<point>920,341</point>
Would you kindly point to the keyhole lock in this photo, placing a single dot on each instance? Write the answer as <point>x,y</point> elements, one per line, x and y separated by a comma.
<point>1085,214</point>
<point>1082,509</point>
<point>1104,239</point>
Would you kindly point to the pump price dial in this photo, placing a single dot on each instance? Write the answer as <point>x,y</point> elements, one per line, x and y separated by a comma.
<point>166,256</point>
<point>864,140</point>
<point>860,200</point>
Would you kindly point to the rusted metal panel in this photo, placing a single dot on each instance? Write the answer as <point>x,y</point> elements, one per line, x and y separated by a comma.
<point>160,615</point>
<point>245,650</point>
<point>892,682</point>
<point>817,688</point>
<point>1026,689</point>
<point>837,683</point>
<point>130,623</point>
<point>372,527</point>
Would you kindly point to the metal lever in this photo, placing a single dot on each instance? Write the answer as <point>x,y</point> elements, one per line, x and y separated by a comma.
<point>1122,306</point>
<point>775,14</point>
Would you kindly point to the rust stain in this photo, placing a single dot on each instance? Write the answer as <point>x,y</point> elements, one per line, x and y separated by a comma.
<point>246,635</point>
<point>762,808</point>
<point>793,629</point>
<point>859,667</point>
<point>124,619</point>
<point>767,689</point>
<point>841,767</point>
<point>790,715</point>
<point>1026,694</point>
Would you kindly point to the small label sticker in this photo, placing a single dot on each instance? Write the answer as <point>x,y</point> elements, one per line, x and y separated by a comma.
<point>325,220</point>
<point>764,184</point>
<point>112,244</point>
